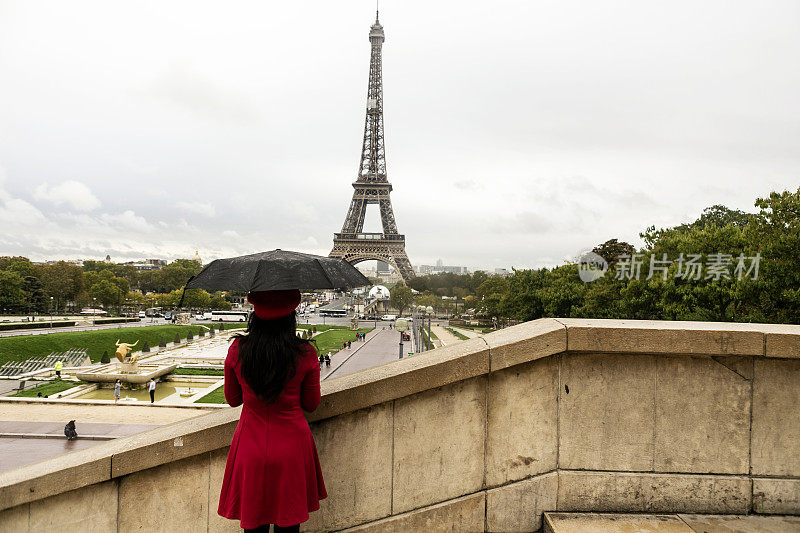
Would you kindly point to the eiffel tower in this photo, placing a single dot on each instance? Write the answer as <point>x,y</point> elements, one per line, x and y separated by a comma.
<point>372,186</point>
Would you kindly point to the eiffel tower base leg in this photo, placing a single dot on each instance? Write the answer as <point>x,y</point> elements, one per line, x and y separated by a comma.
<point>391,253</point>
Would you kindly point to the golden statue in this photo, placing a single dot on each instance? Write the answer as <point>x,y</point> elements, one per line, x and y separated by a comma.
<point>123,349</point>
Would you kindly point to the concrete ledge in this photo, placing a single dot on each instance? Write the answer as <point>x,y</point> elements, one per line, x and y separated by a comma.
<point>460,514</point>
<point>776,496</point>
<point>663,337</point>
<point>176,441</point>
<point>414,422</point>
<point>401,378</point>
<point>629,492</point>
<point>59,474</point>
<point>525,342</point>
<point>781,340</point>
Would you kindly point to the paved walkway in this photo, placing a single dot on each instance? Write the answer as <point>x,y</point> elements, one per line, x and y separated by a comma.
<point>24,442</point>
<point>111,414</point>
<point>445,336</point>
<point>381,347</point>
<point>471,333</point>
<point>667,523</point>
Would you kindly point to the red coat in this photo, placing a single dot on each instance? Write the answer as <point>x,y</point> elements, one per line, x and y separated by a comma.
<point>273,474</point>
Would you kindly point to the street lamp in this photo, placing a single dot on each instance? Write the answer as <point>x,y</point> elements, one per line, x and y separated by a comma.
<point>51,312</point>
<point>429,312</point>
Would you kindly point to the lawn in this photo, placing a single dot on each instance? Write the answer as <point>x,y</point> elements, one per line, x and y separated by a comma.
<point>198,371</point>
<point>215,396</point>
<point>20,348</point>
<point>457,334</point>
<point>426,340</point>
<point>320,327</point>
<point>48,389</point>
<point>331,340</point>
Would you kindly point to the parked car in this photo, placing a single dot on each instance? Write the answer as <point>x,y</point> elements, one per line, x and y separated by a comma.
<point>142,315</point>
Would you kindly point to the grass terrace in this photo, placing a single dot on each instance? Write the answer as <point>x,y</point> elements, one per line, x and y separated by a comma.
<point>48,389</point>
<point>458,334</point>
<point>330,341</point>
<point>22,347</point>
<point>215,396</point>
<point>183,371</point>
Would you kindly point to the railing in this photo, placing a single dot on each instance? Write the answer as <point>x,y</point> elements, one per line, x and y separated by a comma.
<point>370,237</point>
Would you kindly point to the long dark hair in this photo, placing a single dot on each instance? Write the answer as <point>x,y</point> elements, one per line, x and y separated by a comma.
<point>268,352</point>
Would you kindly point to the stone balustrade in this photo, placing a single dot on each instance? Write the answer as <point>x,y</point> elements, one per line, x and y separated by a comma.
<point>484,435</point>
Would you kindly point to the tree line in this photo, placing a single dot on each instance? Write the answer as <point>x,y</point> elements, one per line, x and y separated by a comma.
<point>728,265</point>
<point>61,286</point>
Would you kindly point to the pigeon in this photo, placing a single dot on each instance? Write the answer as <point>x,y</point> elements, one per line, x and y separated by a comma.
<point>69,430</point>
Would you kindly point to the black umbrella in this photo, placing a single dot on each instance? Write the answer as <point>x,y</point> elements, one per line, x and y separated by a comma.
<point>276,270</point>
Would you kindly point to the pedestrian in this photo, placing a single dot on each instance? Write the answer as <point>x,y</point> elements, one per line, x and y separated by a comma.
<point>152,389</point>
<point>327,360</point>
<point>348,345</point>
<point>321,360</point>
<point>273,475</point>
<point>344,345</point>
<point>58,367</point>
<point>117,386</point>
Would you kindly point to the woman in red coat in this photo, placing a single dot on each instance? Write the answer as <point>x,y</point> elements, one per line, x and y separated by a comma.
<point>273,474</point>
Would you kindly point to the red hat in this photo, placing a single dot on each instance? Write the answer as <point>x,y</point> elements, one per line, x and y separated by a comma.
<point>268,305</point>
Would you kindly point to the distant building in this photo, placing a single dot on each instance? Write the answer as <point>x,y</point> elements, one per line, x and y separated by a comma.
<point>147,264</point>
<point>440,268</point>
<point>197,257</point>
<point>501,272</point>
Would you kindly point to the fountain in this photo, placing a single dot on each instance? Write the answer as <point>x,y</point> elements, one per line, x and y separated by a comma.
<point>134,374</point>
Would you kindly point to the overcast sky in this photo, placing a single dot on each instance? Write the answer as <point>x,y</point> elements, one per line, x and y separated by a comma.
<point>518,133</point>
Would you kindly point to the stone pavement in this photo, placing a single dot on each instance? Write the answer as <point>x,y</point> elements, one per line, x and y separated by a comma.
<point>111,414</point>
<point>667,523</point>
<point>380,347</point>
<point>445,336</point>
<point>471,333</point>
<point>23,442</point>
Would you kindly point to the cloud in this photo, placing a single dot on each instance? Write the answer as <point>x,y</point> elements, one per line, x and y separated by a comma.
<point>127,220</point>
<point>186,88</point>
<point>466,185</point>
<point>201,208</point>
<point>17,212</point>
<point>73,193</point>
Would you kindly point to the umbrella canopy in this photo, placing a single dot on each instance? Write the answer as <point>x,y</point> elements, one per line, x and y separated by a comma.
<point>277,270</point>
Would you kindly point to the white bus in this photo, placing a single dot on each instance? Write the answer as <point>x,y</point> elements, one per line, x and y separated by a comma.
<point>333,312</point>
<point>229,316</point>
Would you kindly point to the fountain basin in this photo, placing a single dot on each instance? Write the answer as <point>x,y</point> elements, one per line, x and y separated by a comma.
<point>113,371</point>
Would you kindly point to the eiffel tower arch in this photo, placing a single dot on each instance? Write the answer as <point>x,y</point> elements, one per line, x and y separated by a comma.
<point>372,186</point>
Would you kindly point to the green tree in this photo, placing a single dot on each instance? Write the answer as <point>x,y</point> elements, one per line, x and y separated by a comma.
<point>219,303</point>
<point>20,265</point>
<point>105,292</point>
<point>196,298</point>
<point>12,296</point>
<point>401,297</point>
<point>63,281</point>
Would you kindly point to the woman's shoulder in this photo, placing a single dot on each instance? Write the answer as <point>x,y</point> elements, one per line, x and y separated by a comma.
<point>307,349</point>
<point>233,351</point>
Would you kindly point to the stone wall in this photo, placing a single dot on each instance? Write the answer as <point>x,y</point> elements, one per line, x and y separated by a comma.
<point>484,435</point>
